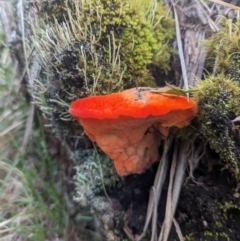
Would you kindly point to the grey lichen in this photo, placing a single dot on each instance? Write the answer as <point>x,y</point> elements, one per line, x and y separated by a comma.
<point>93,176</point>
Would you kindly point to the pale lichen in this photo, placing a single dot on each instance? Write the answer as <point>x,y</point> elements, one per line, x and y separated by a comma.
<point>94,174</point>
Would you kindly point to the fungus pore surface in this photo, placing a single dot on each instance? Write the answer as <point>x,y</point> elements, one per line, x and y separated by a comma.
<point>129,125</point>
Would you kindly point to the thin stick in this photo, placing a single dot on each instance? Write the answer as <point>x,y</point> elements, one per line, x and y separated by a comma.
<point>168,209</point>
<point>158,185</point>
<point>23,37</point>
<point>176,179</point>
<point>180,49</point>
<point>28,129</point>
<point>228,5</point>
<point>154,218</point>
<point>178,230</point>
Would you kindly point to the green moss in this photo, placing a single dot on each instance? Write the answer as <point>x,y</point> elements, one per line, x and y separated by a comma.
<point>229,205</point>
<point>218,100</point>
<point>108,45</point>
<point>189,237</point>
<point>208,233</point>
<point>219,96</point>
<point>216,236</point>
<point>223,49</point>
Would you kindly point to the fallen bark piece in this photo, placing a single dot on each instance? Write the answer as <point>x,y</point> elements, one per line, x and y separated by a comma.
<point>129,125</point>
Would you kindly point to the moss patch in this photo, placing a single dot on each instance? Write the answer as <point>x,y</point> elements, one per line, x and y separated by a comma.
<point>218,99</point>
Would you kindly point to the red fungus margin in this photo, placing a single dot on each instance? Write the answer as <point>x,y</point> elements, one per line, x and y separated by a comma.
<point>129,125</point>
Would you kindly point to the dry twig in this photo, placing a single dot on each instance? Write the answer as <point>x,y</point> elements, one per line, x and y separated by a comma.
<point>228,5</point>
<point>155,195</point>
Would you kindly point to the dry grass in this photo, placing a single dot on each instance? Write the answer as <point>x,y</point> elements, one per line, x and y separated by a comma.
<point>30,207</point>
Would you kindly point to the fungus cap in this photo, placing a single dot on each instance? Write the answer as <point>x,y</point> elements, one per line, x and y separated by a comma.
<point>128,125</point>
<point>135,102</point>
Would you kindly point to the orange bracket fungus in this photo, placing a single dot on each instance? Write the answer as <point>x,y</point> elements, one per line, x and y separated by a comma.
<point>129,125</point>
